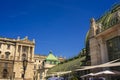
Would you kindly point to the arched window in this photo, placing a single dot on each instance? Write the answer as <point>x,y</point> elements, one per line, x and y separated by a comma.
<point>23,56</point>
<point>5,73</point>
<point>7,55</point>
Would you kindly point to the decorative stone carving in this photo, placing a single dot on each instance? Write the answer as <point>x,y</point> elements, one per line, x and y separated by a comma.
<point>18,38</point>
<point>33,40</point>
<point>118,13</point>
<point>92,21</point>
<point>26,38</point>
<point>93,27</point>
<point>100,27</point>
<point>118,16</point>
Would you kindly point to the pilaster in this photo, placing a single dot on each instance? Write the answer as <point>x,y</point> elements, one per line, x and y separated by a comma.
<point>32,54</point>
<point>94,52</point>
<point>16,52</point>
<point>28,53</point>
<point>21,52</point>
<point>103,49</point>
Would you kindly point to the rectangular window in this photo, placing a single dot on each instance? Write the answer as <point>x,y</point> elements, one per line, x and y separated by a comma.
<point>8,46</point>
<point>113,47</point>
<point>25,49</point>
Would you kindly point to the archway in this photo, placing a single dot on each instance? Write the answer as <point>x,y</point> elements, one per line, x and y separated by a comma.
<point>5,73</point>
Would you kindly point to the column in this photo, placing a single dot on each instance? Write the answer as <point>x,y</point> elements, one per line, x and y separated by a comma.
<point>38,76</point>
<point>16,52</point>
<point>32,55</point>
<point>21,52</point>
<point>28,56</point>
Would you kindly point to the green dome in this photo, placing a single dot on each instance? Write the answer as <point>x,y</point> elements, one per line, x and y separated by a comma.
<point>51,57</point>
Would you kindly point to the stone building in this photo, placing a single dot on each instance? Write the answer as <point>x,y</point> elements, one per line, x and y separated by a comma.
<point>104,38</point>
<point>38,65</point>
<point>12,53</point>
<point>43,63</point>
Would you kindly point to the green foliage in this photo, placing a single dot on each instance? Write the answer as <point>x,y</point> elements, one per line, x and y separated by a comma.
<point>66,66</point>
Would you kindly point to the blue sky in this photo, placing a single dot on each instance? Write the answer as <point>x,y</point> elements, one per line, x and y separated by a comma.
<point>57,25</point>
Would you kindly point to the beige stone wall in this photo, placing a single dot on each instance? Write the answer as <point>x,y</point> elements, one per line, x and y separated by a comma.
<point>98,47</point>
<point>16,49</point>
<point>29,71</point>
<point>4,49</point>
<point>95,52</point>
<point>18,69</point>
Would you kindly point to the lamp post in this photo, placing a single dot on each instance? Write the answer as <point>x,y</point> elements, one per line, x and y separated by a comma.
<point>24,67</point>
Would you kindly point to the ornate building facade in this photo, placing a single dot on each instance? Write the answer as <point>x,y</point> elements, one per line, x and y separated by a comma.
<point>43,63</point>
<point>104,38</point>
<point>12,54</point>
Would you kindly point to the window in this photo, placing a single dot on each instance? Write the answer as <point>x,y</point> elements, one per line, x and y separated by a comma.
<point>5,73</point>
<point>13,74</point>
<point>22,75</point>
<point>97,31</point>
<point>43,63</point>
<point>23,56</point>
<point>7,54</point>
<point>25,49</point>
<point>50,62</point>
<point>34,66</point>
<point>8,46</point>
<point>55,62</point>
<point>113,47</point>
<point>31,50</point>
